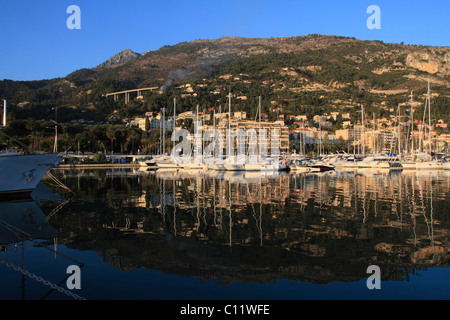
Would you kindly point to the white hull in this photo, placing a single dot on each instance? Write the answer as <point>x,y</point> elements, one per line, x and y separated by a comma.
<point>446,166</point>
<point>216,167</point>
<point>304,169</point>
<point>429,165</point>
<point>194,166</point>
<point>346,164</point>
<point>169,166</point>
<point>233,167</point>
<point>22,173</point>
<point>381,162</point>
<point>409,165</point>
<point>264,167</point>
<point>147,164</point>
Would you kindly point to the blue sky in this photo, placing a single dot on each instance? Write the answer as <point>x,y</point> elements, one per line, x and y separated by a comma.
<point>36,43</point>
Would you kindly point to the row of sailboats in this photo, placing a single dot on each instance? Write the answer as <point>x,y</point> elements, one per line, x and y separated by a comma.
<point>231,162</point>
<point>420,160</point>
<point>414,158</point>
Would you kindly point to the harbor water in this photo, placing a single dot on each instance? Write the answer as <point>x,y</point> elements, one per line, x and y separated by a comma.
<point>200,235</point>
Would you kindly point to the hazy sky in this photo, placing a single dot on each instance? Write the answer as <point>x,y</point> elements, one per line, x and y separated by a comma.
<point>37,44</point>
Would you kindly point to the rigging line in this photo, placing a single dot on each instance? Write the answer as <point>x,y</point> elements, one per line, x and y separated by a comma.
<point>20,143</point>
<point>59,183</point>
<point>26,236</point>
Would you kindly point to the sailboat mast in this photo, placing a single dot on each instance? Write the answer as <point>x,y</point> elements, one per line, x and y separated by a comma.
<point>4,113</point>
<point>412,127</point>
<point>429,117</point>
<point>259,133</point>
<point>229,125</point>
<point>363,133</point>
<point>174,119</point>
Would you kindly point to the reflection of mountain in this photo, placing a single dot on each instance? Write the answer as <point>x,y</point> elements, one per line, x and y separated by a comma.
<point>316,228</point>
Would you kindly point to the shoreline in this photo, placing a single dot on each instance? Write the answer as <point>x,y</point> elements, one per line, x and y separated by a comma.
<point>99,165</point>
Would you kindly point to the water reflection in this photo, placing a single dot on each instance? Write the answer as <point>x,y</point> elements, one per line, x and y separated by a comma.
<point>258,227</point>
<point>25,230</point>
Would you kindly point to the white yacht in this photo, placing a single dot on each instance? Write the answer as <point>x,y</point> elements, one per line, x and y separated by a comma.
<point>381,162</point>
<point>21,173</point>
<point>430,165</point>
<point>267,164</point>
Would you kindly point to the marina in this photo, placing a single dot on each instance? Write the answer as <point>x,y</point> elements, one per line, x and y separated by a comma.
<point>220,158</point>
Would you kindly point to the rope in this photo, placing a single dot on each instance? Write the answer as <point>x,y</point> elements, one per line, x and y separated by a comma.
<point>59,183</point>
<point>31,150</point>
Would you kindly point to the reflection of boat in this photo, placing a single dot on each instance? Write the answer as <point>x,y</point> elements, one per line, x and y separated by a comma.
<point>23,219</point>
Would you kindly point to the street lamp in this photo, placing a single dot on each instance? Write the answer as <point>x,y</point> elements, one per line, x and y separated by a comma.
<point>55,146</point>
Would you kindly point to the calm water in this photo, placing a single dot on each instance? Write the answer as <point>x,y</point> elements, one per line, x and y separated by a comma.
<point>184,235</point>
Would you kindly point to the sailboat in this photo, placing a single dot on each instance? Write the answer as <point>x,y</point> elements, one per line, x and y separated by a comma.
<point>230,163</point>
<point>268,163</point>
<point>196,163</point>
<point>21,173</point>
<point>167,161</point>
<point>428,163</point>
<point>409,162</point>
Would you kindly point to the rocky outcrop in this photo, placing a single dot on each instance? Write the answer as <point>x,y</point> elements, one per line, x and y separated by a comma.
<point>431,63</point>
<point>120,58</point>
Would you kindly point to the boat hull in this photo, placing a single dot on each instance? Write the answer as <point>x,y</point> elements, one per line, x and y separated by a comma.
<point>20,174</point>
<point>429,165</point>
<point>233,167</point>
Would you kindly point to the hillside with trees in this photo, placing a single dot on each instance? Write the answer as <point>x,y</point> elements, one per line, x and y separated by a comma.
<point>308,75</point>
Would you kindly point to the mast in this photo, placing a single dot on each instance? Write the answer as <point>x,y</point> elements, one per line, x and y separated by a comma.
<point>174,120</point>
<point>229,125</point>
<point>429,116</point>
<point>4,113</point>
<point>259,133</point>
<point>362,128</point>
<point>412,127</point>
<point>163,131</point>
<point>398,133</point>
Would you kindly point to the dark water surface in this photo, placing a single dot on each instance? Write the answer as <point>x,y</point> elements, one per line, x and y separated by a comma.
<point>188,235</point>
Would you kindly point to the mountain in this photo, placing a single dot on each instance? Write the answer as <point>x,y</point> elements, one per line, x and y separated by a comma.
<point>120,58</point>
<point>308,74</point>
<point>199,57</point>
